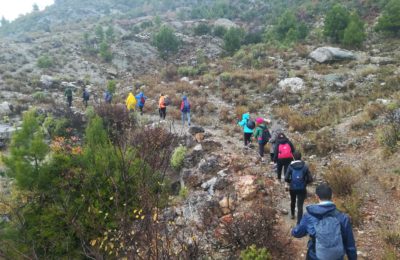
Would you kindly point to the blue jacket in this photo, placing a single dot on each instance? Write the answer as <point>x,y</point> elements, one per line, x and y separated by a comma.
<point>139,99</point>
<point>243,123</point>
<point>311,218</point>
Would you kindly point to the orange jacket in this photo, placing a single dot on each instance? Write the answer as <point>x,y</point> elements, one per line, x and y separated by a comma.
<point>161,102</point>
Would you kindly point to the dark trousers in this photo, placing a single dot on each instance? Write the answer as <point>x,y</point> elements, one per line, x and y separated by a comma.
<point>141,110</point>
<point>282,164</point>
<point>272,156</point>
<point>247,138</point>
<point>69,100</point>
<point>261,149</point>
<point>300,196</point>
<point>163,112</point>
<point>85,102</point>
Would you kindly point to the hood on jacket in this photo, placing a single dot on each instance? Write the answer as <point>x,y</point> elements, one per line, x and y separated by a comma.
<point>246,116</point>
<point>184,98</point>
<point>282,140</point>
<point>320,210</point>
<point>297,164</point>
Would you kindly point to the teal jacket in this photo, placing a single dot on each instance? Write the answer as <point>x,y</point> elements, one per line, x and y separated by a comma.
<point>243,123</point>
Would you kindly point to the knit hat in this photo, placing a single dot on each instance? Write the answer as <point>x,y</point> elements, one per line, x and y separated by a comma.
<point>259,120</point>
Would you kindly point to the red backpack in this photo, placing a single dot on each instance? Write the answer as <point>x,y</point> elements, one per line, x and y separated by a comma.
<point>284,151</point>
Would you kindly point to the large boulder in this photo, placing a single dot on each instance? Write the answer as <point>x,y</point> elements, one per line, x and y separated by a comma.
<point>293,85</point>
<point>225,23</point>
<point>327,54</point>
<point>5,109</point>
<point>46,80</point>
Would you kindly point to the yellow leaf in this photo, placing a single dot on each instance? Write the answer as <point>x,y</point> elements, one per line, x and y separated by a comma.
<point>93,242</point>
<point>155,216</point>
<point>142,217</point>
<point>134,212</point>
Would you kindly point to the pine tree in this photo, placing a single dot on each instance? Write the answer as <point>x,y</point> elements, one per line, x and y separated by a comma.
<point>390,19</point>
<point>336,21</point>
<point>354,34</point>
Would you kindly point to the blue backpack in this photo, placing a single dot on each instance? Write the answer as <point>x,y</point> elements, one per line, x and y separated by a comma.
<point>186,105</point>
<point>298,181</point>
<point>328,238</point>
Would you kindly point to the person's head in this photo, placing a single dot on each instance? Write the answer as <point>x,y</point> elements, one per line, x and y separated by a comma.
<point>297,156</point>
<point>259,120</point>
<point>161,94</point>
<point>323,192</point>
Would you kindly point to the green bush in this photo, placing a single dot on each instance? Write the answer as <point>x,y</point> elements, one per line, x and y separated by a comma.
<point>202,29</point>
<point>40,96</point>
<point>354,34</point>
<point>177,157</point>
<point>112,86</point>
<point>254,253</point>
<point>166,42</point>
<point>44,62</point>
<point>183,192</point>
<point>188,71</point>
<point>336,21</point>
<point>390,19</point>
<point>388,137</point>
<point>105,52</point>
<point>233,39</point>
<point>219,31</point>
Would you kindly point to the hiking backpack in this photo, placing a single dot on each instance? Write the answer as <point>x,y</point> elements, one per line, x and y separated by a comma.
<point>250,124</point>
<point>284,151</point>
<point>86,95</point>
<point>142,100</point>
<point>167,101</point>
<point>108,97</point>
<point>328,238</point>
<point>265,136</point>
<point>298,181</point>
<point>186,105</point>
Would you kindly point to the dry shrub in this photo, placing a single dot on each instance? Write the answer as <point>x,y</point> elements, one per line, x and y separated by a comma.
<point>322,68</point>
<point>170,73</point>
<point>173,113</point>
<point>240,110</point>
<point>225,115</point>
<point>374,110</point>
<point>341,178</point>
<point>351,205</point>
<point>301,50</point>
<point>259,227</point>
<point>203,120</point>
<point>241,100</point>
<point>393,238</point>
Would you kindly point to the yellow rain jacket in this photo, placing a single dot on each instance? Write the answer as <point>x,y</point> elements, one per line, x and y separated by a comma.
<point>130,102</point>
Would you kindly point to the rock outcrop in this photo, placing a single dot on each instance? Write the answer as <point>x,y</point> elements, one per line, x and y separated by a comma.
<point>327,54</point>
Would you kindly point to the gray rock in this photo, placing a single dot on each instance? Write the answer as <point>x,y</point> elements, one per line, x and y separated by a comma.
<point>225,23</point>
<point>196,129</point>
<point>6,131</point>
<point>293,85</point>
<point>5,109</point>
<point>209,185</point>
<point>327,54</point>
<point>209,165</point>
<point>381,60</point>
<point>47,81</point>
<point>396,116</point>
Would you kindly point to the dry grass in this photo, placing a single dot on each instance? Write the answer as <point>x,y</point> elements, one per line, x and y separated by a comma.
<point>341,178</point>
<point>240,110</point>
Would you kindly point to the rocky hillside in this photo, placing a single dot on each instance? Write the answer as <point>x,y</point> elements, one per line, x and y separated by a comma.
<point>339,105</point>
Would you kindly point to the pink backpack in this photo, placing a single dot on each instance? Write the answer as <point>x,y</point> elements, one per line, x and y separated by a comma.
<point>284,151</point>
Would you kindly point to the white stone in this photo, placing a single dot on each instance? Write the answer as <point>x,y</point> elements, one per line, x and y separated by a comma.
<point>294,85</point>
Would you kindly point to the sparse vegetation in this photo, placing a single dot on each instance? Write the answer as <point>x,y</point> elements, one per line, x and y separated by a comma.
<point>45,62</point>
<point>166,42</point>
<point>254,253</point>
<point>341,178</point>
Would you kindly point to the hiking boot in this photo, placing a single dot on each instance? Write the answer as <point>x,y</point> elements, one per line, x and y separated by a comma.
<point>292,216</point>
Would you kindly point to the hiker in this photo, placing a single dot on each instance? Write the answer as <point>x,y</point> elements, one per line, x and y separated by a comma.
<point>162,106</point>
<point>330,231</point>
<point>283,154</point>
<point>272,142</point>
<point>141,98</point>
<point>107,97</point>
<point>85,97</point>
<point>262,135</point>
<point>248,126</point>
<point>185,110</point>
<point>298,176</point>
<point>130,102</point>
<point>68,94</point>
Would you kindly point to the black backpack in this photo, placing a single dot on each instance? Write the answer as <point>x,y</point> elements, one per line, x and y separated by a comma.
<point>265,136</point>
<point>251,124</point>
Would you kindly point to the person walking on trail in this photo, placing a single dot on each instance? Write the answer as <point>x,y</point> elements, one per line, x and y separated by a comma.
<point>272,142</point>
<point>262,135</point>
<point>330,231</point>
<point>141,98</point>
<point>68,94</point>
<point>85,97</point>
<point>107,97</point>
<point>130,102</point>
<point>162,106</point>
<point>248,127</point>
<point>185,110</point>
<point>283,154</point>
<point>298,176</point>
